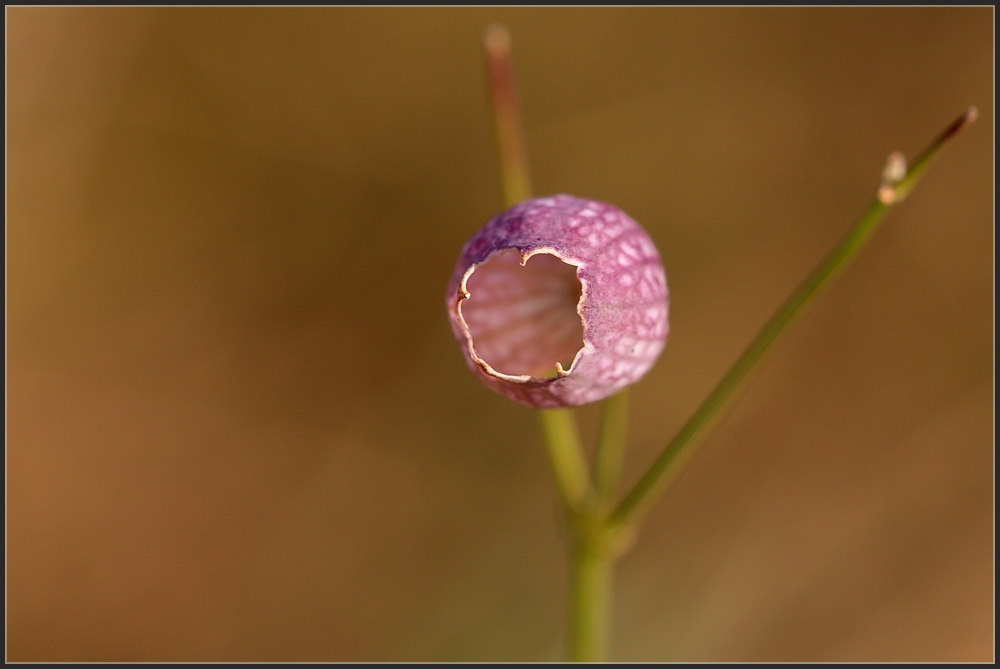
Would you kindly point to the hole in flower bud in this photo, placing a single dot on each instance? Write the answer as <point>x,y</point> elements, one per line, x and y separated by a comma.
<point>524,320</point>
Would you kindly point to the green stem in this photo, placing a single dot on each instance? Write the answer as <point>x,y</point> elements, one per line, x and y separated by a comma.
<point>896,184</point>
<point>591,599</point>
<point>610,449</point>
<point>563,442</point>
<point>591,562</point>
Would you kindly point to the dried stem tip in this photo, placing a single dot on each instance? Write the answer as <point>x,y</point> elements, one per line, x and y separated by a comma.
<point>514,173</point>
<point>894,191</point>
<point>497,41</point>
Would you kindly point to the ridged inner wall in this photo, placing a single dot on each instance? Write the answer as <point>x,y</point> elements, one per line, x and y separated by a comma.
<point>523,319</point>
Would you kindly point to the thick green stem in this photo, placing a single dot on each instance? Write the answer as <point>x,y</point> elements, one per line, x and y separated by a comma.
<point>590,612</point>
<point>897,182</point>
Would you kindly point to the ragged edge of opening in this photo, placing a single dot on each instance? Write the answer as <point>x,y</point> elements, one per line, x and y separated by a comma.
<point>463,294</point>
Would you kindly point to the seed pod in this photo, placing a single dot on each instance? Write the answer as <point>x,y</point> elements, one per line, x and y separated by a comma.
<point>559,301</point>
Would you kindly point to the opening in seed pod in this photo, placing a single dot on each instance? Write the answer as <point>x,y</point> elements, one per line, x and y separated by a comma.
<point>524,319</point>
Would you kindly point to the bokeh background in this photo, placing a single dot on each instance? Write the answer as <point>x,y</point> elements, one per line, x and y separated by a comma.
<point>238,425</point>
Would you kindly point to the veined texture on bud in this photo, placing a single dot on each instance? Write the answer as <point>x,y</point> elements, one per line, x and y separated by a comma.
<point>559,301</point>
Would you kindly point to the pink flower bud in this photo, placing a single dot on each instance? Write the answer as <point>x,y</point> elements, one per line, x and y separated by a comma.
<point>559,301</point>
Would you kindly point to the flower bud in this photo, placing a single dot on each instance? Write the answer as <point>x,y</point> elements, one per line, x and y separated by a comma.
<point>559,301</point>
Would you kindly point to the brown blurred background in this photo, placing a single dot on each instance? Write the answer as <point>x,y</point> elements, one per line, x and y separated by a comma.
<point>239,428</point>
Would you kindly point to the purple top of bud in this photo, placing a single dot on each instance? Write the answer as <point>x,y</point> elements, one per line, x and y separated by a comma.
<point>554,281</point>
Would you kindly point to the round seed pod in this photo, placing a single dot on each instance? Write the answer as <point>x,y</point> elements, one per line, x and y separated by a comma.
<point>559,301</point>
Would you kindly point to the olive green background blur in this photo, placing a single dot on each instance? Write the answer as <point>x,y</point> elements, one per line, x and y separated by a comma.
<point>240,429</point>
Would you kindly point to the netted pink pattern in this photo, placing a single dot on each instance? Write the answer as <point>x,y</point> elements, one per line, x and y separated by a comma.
<point>516,320</point>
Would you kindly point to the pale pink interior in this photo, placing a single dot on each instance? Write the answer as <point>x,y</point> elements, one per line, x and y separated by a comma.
<point>523,320</point>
